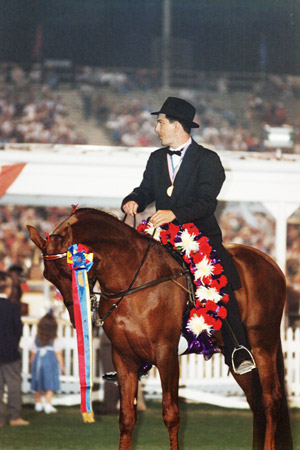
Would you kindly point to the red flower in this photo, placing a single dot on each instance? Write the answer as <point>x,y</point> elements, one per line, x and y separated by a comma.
<point>141,228</point>
<point>218,269</point>
<point>207,280</point>
<point>199,304</point>
<point>210,320</point>
<point>192,229</point>
<point>215,284</point>
<point>204,245</point>
<point>164,237</point>
<point>218,324</point>
<point>222,281</point>
<point>222,312</point>
<point>211,306</point>
<point>173,230</point>
<point>225,298</point>
<point>197,257</point>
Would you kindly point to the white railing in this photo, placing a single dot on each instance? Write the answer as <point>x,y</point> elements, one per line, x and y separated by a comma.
<point>200,380</point>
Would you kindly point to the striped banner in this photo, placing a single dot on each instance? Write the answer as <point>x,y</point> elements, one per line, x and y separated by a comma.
<point>80,263</point>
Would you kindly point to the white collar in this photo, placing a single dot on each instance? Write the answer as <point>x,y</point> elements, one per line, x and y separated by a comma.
<point>185,146</point>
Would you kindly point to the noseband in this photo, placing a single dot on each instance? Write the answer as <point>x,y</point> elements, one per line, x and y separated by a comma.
<point>54,257</point>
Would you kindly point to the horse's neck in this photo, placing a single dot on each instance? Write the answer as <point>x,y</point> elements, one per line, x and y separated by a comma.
<point>101,232</point>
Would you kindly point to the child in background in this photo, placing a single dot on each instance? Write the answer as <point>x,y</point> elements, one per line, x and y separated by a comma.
<point>46,360</point>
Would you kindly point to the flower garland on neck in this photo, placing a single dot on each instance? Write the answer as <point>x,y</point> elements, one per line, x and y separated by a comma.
<point>209,310</point>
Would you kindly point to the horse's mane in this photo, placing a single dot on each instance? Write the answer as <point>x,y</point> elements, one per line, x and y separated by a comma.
<point>76,215</point>
<point>98,212</point>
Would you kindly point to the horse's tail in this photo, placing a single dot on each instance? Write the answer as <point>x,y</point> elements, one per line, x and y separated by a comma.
<point>283,436</point>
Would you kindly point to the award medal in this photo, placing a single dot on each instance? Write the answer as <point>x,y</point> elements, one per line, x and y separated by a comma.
<point>170,190</point>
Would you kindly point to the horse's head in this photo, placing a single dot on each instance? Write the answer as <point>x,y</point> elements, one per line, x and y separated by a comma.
<point>54,250</point>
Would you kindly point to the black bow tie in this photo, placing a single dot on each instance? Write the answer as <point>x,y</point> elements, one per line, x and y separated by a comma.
<point>175,152</point>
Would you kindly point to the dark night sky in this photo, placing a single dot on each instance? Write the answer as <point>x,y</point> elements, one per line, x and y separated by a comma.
<point>221,35</point>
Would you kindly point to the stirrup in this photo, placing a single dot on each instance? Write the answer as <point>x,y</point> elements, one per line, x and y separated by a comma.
<point>250,367</point>
<point>110,376</point>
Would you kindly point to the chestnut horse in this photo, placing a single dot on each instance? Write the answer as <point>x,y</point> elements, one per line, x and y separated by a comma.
<point>145,328</point>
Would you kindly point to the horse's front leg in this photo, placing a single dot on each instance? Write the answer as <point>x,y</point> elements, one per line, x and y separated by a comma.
<point>168,367</point>
<point>128,386</point>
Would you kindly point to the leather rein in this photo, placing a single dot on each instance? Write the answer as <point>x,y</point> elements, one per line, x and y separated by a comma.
<point>130,290</point>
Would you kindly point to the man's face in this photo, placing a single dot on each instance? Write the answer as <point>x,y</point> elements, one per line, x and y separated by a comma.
<point>165,130</point>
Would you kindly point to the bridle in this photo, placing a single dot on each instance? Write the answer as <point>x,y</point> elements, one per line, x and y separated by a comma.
<point>54,257</point>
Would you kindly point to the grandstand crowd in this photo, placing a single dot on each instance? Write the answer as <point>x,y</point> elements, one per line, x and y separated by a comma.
<point>32,107</point>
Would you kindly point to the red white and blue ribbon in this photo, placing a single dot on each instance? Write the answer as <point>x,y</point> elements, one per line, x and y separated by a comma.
<point>80,263</point>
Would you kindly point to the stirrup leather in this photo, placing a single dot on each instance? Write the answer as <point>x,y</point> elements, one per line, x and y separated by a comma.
<point>236,349</point>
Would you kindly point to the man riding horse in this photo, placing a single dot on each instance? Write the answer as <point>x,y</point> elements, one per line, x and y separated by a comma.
<point>184,179</point>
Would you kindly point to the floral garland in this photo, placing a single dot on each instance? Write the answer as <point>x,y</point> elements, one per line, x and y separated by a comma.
<point>209,310</point>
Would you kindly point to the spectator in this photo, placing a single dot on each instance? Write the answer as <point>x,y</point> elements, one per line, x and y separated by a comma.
<point>46,360</point>
<point>10,358</point>
<point>18,284</point>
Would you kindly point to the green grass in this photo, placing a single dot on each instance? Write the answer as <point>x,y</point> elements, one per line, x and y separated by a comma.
<point>202,426</point>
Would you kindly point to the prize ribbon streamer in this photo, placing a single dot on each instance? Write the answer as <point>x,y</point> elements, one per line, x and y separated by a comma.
<point>80,263</point>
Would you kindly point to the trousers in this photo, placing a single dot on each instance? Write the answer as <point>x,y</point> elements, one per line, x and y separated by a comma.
<point>10,376</point>
<point>233,330</point>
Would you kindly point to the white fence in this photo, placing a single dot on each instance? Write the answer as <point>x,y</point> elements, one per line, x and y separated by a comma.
<point>200,380</point>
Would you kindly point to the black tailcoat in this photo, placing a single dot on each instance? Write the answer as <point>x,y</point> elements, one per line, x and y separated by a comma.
<point>194,198</point>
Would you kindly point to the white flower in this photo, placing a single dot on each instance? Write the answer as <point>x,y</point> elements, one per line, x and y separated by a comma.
<point>204,268</point>
<point>197,324</point>
<point>188,244</point>
<point>154,232</point>
<point>204,293</point>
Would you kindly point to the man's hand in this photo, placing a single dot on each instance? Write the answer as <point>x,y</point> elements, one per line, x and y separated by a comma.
<point>161,217</point>
<point>130,208</point>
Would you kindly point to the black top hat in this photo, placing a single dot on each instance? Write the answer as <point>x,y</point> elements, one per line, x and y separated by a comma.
<point>179,109</point>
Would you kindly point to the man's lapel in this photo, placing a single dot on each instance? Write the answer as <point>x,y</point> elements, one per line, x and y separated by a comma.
<point>188,164</point>
<point>164,172</point>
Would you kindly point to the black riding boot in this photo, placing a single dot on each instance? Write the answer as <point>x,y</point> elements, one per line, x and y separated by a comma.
<point>237,351</point>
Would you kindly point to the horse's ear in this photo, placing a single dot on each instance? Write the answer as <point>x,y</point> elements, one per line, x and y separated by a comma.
<point>36,237</point>
<point>69,236</point>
